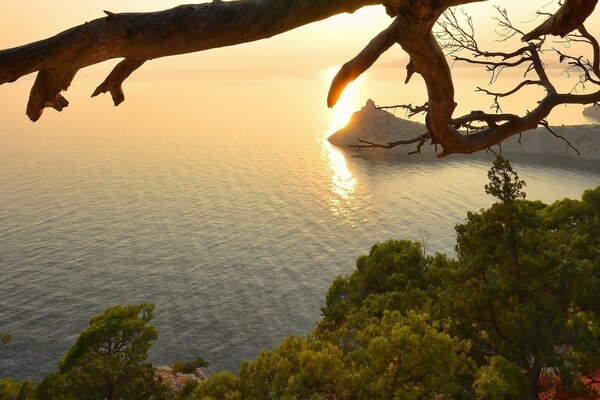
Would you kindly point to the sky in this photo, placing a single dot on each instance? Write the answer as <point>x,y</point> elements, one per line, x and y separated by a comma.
<point>316,46</point>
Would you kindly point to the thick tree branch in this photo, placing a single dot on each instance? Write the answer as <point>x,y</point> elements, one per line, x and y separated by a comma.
<point>491,120</point>
<point>569,17</point>
<point>46,91</point>
<point>144,36</point>
<point>362,62</point>
<point>115,79</point>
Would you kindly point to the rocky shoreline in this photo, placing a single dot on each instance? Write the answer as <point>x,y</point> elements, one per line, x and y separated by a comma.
<point>176,381</point>
<point>380,126</point>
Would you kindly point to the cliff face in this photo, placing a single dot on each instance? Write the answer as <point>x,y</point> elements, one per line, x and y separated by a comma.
<point>380,126</point>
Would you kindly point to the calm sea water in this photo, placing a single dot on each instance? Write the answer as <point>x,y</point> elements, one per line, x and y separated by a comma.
<point>215,198</point>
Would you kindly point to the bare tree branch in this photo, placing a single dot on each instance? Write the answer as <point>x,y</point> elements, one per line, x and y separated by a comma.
<point>545,124</point>
<point>410,109</point>
<point>596,48</point>
<point>420,140</point>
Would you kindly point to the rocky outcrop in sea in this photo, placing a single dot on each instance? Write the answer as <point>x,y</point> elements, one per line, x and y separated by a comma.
<point>380,126</point>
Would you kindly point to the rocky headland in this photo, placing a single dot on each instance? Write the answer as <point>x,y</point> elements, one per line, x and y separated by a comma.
<point>380,126</point>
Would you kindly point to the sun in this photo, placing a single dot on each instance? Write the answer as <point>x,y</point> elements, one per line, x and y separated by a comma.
<point>347,103</point>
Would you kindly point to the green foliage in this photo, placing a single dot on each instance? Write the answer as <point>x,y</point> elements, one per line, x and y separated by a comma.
<point>528,284</point>
<point>221,386</point>
<point>59,386</point>
<point>504,181</point>
<point>370,345</point>
<point>188,367</point>
<point>121,330</point>
<point>499,379</point>
<point>186,391</point>
<point>393,276</point>
<point>406,357</point>
<point>11,389</point>
<point>108,360</point>
<point>5,338</point>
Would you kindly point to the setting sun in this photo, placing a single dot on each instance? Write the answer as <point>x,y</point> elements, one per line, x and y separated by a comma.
<point>348,103</point>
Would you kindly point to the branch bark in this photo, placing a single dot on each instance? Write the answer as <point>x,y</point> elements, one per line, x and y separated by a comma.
<point>138,37</point>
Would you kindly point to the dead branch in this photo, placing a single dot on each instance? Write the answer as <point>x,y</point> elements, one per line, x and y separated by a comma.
<point>115,79</point>
<point>512,91</point>
<point>596,49</point>
<point>545,124</point>
<point>506,29</point>
<point>579,63</point>
<point>410,109</point>
<point>420,140</point>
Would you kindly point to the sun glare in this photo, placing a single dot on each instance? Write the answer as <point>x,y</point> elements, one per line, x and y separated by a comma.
<point>343,184</point>
<point>347,103</point>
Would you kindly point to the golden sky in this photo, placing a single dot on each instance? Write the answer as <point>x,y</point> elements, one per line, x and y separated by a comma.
<point>330,42</point>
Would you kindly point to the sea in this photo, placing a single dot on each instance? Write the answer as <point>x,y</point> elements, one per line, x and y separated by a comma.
<point>215,196</point>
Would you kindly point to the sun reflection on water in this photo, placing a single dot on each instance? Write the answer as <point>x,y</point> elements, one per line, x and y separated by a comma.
<point>343,184</point>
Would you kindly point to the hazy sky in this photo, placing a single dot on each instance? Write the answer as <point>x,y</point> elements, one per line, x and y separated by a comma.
<point>322,44</point>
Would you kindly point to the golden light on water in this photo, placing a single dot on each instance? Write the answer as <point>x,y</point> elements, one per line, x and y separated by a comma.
<point>343,184</point>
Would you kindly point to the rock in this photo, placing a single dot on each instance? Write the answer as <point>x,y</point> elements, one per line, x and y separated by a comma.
<point>377,126</point>
<point>176,381</point>
<point>380,126</point>
<point>200,374</point>
<point>592,112</point>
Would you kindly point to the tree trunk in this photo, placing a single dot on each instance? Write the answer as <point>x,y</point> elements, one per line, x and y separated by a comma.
<point>534,378</point>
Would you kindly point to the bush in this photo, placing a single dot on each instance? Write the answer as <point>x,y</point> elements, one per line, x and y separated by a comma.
<point>12,389</point>
<point>188,367</point>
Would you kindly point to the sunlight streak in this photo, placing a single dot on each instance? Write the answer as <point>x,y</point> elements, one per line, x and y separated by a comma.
<point>343,184</point>
<point>347,103</point>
